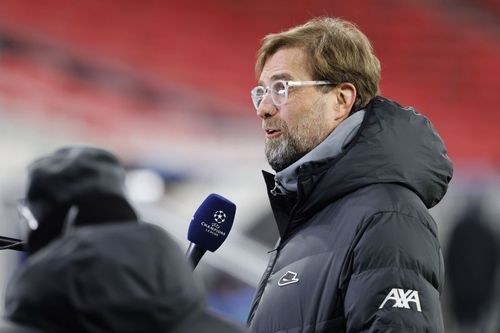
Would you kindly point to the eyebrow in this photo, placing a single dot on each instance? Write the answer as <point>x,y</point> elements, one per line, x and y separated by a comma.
<point>281,76</point>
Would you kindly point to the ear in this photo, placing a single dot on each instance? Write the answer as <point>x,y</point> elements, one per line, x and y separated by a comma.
<point>346,96</point>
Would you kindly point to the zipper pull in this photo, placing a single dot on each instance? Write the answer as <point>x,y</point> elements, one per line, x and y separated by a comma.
<point>277,190</point>
<point>276,247</point>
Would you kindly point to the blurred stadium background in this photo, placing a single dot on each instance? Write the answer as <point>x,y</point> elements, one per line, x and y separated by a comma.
<point>165,85</point>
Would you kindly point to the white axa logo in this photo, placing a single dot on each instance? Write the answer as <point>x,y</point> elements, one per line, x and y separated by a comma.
<point>402,299</point>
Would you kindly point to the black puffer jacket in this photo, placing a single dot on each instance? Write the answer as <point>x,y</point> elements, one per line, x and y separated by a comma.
<point>111,278</point>
<point>359,251</point>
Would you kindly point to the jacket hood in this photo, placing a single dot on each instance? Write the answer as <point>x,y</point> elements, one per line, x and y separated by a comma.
<point>112,278</point>
<point>394,144</point>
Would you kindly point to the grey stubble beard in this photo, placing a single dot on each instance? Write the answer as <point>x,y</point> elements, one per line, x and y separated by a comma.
<point>283,151</point>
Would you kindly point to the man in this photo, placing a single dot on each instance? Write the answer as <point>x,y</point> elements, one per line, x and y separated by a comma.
<point>73,186</point>
<point>355,176</point>
<point>93,266</point>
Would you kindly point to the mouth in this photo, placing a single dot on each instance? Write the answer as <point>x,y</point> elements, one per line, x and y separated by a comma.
<point>272,132</point>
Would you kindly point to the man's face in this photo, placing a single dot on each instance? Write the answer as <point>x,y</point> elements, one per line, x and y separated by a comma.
<point>306,119</point>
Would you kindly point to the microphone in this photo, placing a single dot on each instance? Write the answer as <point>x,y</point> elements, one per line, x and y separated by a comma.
<point>209,227</point>
<point>7,243</point>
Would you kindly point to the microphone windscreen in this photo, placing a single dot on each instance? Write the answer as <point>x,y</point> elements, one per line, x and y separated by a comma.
<point>212,222</point>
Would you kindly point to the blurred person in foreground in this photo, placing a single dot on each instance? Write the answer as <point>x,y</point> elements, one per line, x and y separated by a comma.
<point>355,176</point>
<point>93,266</point>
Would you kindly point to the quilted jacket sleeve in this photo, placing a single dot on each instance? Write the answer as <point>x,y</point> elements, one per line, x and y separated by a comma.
<point>394,276</point>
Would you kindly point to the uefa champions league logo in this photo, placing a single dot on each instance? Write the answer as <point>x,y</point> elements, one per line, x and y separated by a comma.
<point>215,228</point>
<point>219,216</point>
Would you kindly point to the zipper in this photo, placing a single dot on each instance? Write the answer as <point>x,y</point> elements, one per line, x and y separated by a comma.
<point>263,283</point>
<point>277,190</point>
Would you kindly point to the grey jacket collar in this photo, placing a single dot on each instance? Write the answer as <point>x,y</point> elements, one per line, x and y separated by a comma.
<point>286,180</point>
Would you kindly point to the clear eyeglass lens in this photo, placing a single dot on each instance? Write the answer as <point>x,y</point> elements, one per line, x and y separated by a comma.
<point>258,95</point>
<point>279,92</point>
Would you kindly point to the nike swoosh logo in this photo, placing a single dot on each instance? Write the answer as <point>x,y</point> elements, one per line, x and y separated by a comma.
<point>288,278</point>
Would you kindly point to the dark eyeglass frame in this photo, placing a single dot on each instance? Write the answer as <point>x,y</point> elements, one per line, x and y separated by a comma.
<point>30,223</point>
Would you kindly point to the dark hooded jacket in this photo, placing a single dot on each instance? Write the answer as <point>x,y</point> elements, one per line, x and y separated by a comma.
<point>359,251</point>
<point>111,278</point>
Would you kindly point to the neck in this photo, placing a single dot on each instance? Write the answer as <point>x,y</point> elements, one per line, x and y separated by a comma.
<point>286,180</point>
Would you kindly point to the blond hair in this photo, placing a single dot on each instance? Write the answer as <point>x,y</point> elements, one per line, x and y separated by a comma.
<point>337,51</point>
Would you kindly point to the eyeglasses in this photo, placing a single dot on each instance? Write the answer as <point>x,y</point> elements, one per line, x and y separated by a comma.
<point>279,91</point>
<point>29,222</point>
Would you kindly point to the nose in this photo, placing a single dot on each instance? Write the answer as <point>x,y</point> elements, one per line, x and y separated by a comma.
<point>266,109</point>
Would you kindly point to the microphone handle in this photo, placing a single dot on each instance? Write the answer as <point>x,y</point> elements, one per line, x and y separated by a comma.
<point>11,244</point>
<point>194,254</point>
